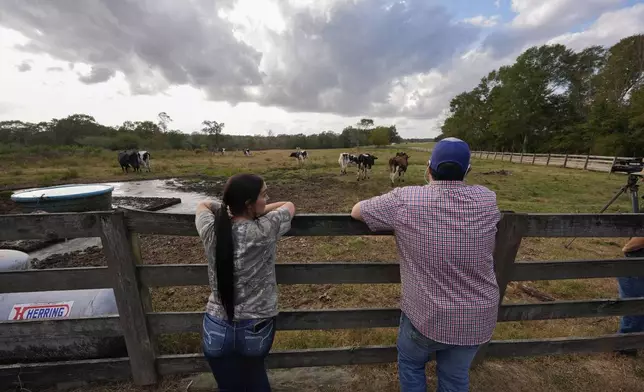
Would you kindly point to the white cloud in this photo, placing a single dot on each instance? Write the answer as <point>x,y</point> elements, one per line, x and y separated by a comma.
<point>497,3</point>
<point>483,21</point>
<point>608,29</point>
<point>311,57</point>
<point>542,13</point>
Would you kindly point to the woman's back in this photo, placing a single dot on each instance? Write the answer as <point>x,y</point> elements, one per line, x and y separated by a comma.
<point>255,243</point>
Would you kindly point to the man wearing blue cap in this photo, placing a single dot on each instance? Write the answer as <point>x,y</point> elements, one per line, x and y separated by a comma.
<point>445,233</point>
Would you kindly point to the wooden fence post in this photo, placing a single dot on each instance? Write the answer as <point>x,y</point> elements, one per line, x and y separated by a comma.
<point>521,157</point>
<point>534,156</point>
<point>121,263</point>
<point>586,163</point>
<point>610,169</point>
<point>510,231</point>
<point>511,155</point>
<point>565,160</point>
<point>548,161</point>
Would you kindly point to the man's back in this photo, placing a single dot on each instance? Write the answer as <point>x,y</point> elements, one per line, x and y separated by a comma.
<point>445,234</point>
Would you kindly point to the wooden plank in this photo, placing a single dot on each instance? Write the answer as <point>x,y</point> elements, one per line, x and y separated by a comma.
<point>48,374</point>
<point>50,226</point>
<point>194,363</point>
<point>585,225</point>
<point>539,225</point>
<point>287,320</point>
<point>54,279</point>
<point>105,326</point>
<point>122,266</point>
<point>571,309</point>
<point>578,269</point>
<point>302,225</point>
<point>291,273</point>
<point>373,273</point>
<point>560,346</point>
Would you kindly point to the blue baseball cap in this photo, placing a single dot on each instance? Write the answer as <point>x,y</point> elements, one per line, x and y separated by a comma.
<point>450,149</point>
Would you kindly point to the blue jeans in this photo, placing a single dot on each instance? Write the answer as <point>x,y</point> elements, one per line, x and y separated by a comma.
<point>236,352</point>
<point>631,287</point>
<point>415,350</point>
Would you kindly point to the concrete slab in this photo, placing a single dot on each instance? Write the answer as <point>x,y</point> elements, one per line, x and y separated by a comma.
<point>287,380</point>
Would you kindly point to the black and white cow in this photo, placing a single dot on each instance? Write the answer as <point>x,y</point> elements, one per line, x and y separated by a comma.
<point>127,159</point>
<point>365,162</point>
<point>346,160</point>
<point>247,152</point>
<point>144,159</point>
<point>300,155</point>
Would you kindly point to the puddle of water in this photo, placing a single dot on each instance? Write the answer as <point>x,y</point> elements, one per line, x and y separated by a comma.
<point>160,188</point>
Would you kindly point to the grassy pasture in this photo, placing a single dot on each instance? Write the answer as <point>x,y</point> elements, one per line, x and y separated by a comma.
<point>319,187</point>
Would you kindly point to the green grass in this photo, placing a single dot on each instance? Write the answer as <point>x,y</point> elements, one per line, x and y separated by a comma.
<point>318,186</point>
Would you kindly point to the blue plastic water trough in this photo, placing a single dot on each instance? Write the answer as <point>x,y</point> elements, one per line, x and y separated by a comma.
<point>66,198</point>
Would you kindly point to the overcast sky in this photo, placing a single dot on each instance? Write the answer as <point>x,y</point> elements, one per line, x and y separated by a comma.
<point>287,65</point>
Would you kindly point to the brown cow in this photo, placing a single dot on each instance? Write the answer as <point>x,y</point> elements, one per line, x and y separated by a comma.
<point>398,166</point>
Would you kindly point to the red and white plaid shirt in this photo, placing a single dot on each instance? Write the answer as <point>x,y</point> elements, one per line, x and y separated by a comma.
<point>445,233</point>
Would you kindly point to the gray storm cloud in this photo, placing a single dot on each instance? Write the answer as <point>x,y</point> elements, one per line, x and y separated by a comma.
<point>343,62</point>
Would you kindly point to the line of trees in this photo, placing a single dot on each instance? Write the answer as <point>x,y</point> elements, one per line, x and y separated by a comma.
<point>84,130</point>
<point>553,99</point>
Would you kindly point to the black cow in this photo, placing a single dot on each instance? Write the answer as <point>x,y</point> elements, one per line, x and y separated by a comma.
<point>127,159</point>
<point>365,162</point>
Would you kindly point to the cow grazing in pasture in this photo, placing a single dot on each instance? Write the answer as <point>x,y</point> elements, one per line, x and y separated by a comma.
<point>398,166</point>
<point>247,152</point>
<point>346,160</point>
<point>144,159</point>
<point>365,162</point>
<point>300,156</point>
<point>127,159</point>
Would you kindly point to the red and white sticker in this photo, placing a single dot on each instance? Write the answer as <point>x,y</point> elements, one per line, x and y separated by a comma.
<point>39,311</point>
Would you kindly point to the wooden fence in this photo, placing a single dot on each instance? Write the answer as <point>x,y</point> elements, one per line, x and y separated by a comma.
<point>584,162</point>
<point>140,325</point>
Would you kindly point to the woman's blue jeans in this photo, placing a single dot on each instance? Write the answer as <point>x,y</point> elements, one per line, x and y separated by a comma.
<point>236,352</point>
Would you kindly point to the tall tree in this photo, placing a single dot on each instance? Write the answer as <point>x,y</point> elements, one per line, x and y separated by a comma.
<point>213,129</point>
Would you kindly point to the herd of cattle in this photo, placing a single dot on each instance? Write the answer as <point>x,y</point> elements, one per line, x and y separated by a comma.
<point>364,162</point>
<point>397,165</point>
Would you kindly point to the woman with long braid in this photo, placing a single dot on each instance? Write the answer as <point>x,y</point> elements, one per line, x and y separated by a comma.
<point>240,235</point>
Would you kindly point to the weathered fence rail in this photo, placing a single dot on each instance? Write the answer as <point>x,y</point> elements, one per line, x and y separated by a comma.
<point>584,162</point>
<point>140,325</point>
